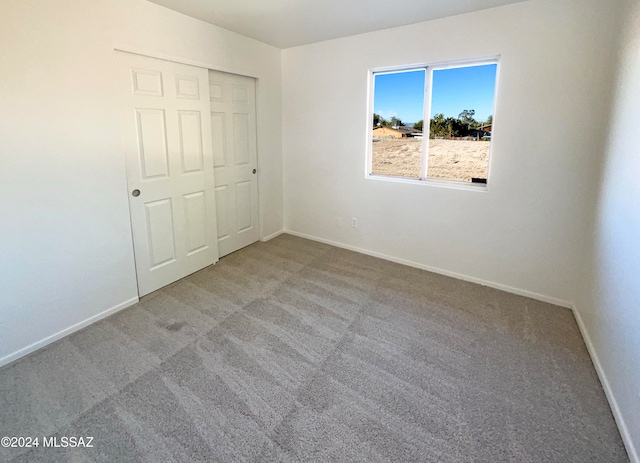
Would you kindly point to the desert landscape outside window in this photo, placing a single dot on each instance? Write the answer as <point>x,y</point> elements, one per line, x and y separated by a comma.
<point>434,122</point>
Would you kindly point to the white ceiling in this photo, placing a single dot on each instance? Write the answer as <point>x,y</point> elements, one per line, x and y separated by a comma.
<point>289,23</point>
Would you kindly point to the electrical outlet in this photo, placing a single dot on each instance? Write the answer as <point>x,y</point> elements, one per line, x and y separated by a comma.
<point>354,222</point>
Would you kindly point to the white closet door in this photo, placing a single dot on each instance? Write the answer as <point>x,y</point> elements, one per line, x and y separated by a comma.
<point>169,154</point>
<point>233,128</point>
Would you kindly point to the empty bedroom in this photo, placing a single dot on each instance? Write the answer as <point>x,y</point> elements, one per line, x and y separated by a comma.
<point>331,231</point>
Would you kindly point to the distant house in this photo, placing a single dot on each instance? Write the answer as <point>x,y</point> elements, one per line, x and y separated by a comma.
<point>396,132</point>
<point>410,131</point>
<point>387,132</point>
<point>480,132</point>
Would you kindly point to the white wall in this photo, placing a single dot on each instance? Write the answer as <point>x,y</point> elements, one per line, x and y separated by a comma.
<point>525,232</point>
<point>608,301</point>
<point>65,239</point>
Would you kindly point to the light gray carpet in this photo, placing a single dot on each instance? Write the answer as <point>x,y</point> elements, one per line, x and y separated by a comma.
<point>292,350</point>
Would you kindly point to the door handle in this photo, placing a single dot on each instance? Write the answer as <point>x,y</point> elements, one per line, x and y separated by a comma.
<point>254,171</point>
<point>135,193</point>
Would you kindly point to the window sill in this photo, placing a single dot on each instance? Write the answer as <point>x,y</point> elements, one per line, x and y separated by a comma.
<point>432,182</point>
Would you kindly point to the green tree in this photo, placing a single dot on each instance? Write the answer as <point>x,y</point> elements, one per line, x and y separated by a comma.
<point>379,121</point>
<point>436,126</point>
<point>467,121</point>
<point>418,125</point>
<point>466,116</point>
<point>446,127</point>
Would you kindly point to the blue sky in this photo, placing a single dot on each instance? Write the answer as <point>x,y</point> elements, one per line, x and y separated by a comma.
<point>454,90</point>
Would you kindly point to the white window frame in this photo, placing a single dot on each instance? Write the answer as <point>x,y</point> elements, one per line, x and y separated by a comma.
<point>428,68</point>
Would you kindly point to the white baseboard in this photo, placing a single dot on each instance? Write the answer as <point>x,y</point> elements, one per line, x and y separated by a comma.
<point>459,276</point>
<point>272,236</point>
<point>65,332</point>
<point>615,409</point>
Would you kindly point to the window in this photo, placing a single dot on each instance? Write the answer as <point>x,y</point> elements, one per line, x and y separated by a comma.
<point>433,122</point>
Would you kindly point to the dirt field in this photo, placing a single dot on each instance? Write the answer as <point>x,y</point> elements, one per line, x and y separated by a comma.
<point>448,159</point>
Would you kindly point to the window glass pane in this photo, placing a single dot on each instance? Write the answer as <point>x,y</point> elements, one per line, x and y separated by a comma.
<point>460,127</point>
<point>398,107</point>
